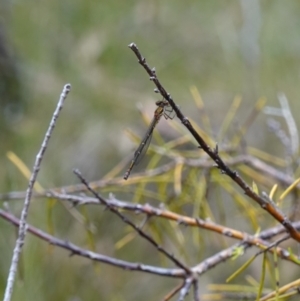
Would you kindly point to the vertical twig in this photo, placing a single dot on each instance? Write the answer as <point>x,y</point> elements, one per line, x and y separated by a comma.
<point>36,168</point>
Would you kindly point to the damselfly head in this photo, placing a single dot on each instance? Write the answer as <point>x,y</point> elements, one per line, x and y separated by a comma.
<point>162,103</point>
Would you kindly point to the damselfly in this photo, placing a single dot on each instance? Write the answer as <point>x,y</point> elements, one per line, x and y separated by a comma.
<point>163,109</point>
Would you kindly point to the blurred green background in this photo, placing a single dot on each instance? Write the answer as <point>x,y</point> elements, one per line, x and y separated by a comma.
<point>224,48</point>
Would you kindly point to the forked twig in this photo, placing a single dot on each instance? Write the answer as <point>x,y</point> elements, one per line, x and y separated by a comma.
<point>131,224</point>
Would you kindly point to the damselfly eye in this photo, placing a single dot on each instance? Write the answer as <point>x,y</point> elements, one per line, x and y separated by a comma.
<point>160,103</point>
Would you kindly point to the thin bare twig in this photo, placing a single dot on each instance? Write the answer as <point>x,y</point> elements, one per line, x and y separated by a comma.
<point>214,155</point>
<point>173,292</point>
<point>224,255</point>
<point>253,162</point>
<point>131,224</point>
<point>186,288</point>
<point>182,219</point>
<point>149,210</point>
<point>36,168</point>
<point>273,244</point>
<point>75,250</point>
<point>199,269</point>
<point>196,290</point>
